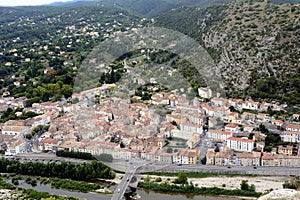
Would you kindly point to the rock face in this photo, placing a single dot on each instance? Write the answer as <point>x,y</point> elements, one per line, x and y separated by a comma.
<point>255,45</point>
<point>282,194</point>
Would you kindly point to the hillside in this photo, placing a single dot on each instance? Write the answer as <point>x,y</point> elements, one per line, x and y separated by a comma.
<point>256,45</point>
<point>153,8</point>
<point>42,47</point>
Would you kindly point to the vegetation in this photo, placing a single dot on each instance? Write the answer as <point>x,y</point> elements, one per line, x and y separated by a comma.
<point>73,154</point>
<point>31,194</point>
<point>105,157</point>
<point>31,181</point>
<point>248,27</point>
<point>40,129</point>
<point>191,189</point>
<point>71,185</point>
<point>63,170</point>
<point>292,184</point>
<point>246,187</point>
<point>182,179</point>
<point>196,174</point>
<point>10,114</point>
<point>41,59</point>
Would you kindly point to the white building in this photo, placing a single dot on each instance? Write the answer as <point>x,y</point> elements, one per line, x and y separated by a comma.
<point>205,92</point>
<point>290,136</point>
<point>294,128</point>
<point>16,147</point>
<point>240,144</point>
<point>15,130</point>
<point>218,135</point>
<point>186,135</point>
<point>195,128</point>
<point>232,128</point>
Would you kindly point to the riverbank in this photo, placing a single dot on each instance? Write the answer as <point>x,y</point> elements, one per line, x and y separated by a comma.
<point>262,183</point>
<point>189,188</point>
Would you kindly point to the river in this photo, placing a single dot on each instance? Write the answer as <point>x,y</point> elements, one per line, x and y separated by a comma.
<point>147,195</point>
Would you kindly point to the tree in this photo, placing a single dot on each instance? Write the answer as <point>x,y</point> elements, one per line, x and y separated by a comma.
<point>203,160</point>
<point>169,150</point>
<point>105,157</point>
<point>251,136</point>
<point>182,179</point>
<point>244,185</point>
<point>252,188</point>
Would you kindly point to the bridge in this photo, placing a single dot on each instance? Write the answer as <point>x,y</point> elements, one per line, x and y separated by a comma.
<point>139,166</point>
<point>121,189</point>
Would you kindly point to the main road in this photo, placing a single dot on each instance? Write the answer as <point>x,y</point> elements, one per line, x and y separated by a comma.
<point>144,166</point>
<point>121,189</point>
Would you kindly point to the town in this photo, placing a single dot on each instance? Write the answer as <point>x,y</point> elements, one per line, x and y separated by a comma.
<point>167,129</point>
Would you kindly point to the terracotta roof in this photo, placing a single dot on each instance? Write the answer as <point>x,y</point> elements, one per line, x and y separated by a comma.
<point>231,125</point>
<point>240,139</point>
<point>220,132</point>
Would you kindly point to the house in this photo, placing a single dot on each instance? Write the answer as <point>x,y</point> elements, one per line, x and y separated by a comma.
<point>278,123</point>
<point>269,159</point>
<point>160,98</point>
<point>251,117</point>
<point>288,150</point>
<point>222,158</point>
<point>71,145</point>
<point>210,156</point>
<point>248,159</point>
<point>187,157</point>
<point>248,129</point>
<point>194,141</point>
<point>296,117</point>
<point>15,147</point>
<point>218,135</point>
<point>204,92</point>
<point>232,127</point>
<point>236,103</point>
<point>218,101</point>
<point>48,144</point>
<point>240,144</point>
<point>292,127</point>
<point>290,136</point>
<point>212,122</point>
<point>189,127</point>
<point>262,117</point>
<point>251,105</point>
<point>208,110</point>
<point>156,155</point>
<point>15,130</point>
<point>233,117</point>
<point>186,135</point>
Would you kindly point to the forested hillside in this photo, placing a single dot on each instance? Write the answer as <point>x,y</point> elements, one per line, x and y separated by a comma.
<point>255,45</point>
<point>154,8</point>
<point>43,47</point>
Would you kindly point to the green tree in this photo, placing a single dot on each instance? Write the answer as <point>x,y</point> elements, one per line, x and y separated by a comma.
<point>244,185</point>
<point>182,179</point>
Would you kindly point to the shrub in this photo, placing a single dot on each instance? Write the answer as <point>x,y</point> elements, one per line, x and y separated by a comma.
<point>158,179</point>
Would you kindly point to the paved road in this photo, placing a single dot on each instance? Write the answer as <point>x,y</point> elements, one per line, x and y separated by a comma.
<point>121,189</point>
<point>272,171</point>
<point>144,166</point>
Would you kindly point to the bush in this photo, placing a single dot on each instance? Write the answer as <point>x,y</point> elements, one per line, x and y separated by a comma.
<point>182,179</point>
<point>158,179</point>
<point>293,184</point>
<point>190,189</point>
<point>73,154</point>
<point>15,181</point>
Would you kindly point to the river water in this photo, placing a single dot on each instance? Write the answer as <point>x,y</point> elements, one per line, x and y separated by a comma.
<point>145,195</point>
